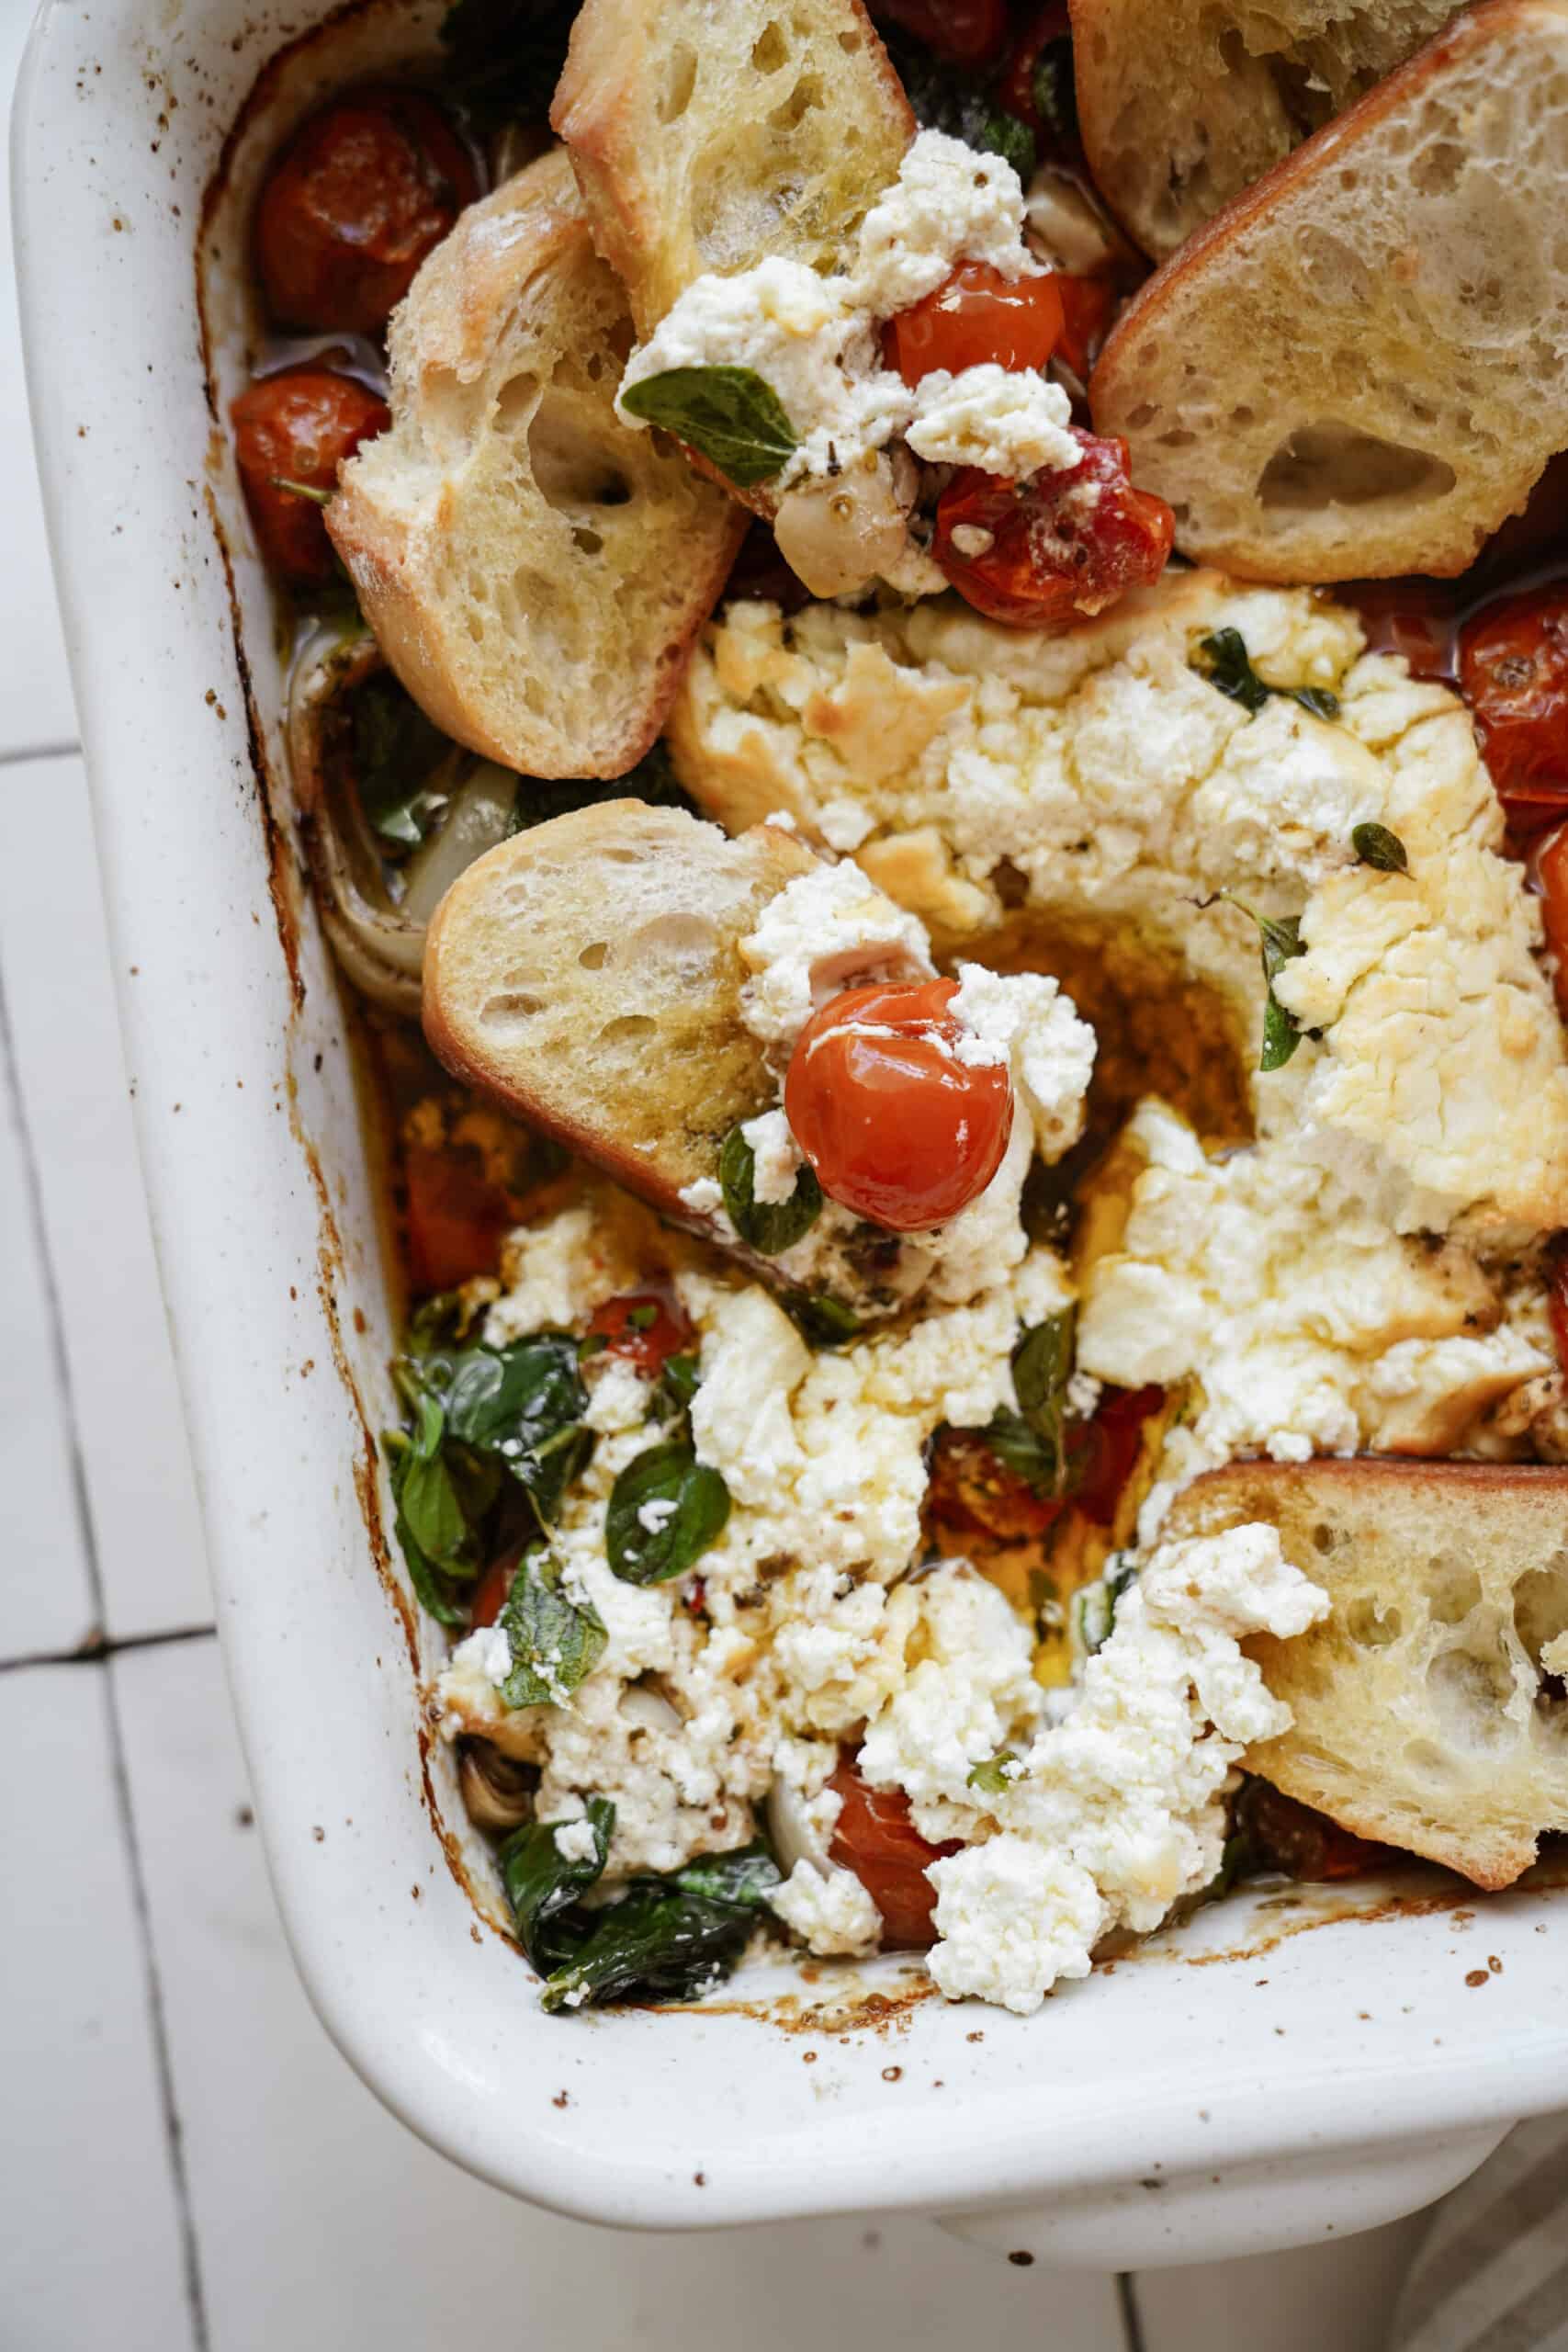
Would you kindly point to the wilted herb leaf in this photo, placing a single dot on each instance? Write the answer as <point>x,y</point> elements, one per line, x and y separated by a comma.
<point>1280,938</point>
<point>653,779</point>
<point>395,752</point>
<point>766,1227</point>
<point>674,1935</point>
<point>542,1884</point>
<point>823,1321</point>
<point>556,1643</point>
<point>732,416</point>
<point>666,1508</point>
<point>1031,1442</point>
<point>1230,669</point>
<point>991,1778</point>
<point>943,97</point>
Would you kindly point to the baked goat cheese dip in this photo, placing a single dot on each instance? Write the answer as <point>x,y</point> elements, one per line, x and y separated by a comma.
<point>981,1193</point>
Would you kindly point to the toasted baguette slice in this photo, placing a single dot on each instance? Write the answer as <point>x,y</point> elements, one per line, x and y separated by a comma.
<point>1423,1714</point>
<point>1183,104</point>
<point>706,138</point>
<point>535,571</point>
<point>587,976</point>
<point>1360,366</point>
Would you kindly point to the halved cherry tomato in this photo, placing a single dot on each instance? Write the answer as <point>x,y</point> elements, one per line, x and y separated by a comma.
<point>1088,305</point>
<point>875,1836</point>
<point>644,1327</point>
<point>298,427</point>
<point>1054,550</point>
<point>1551,872</point>
<point>1107,1449</point>
<point>1419,618</point>
<point>1016,90</point>
<point>492,1590</point>
<point>972,1486</point>
<point>1290,1836</point>
<point>456,1217</point>
<point>361,194</point>
<point>896,1126</point>
<point>965,32</point>
<point>974,316</point>
<point>1513,670</point>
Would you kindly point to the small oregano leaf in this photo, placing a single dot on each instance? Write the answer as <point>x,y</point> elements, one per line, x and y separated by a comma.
<point>732,416</point>
<point>1229,670</point>
<point>1375,846</point>
<point>556,1643</point>
<point>1280,938</point>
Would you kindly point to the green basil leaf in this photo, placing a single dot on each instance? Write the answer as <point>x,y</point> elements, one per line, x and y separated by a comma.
<point>666,1508</point>
<point>524,1407</point>
<point>542,1885</point>
<point>429,1583</point>
<point>766,1227</point>
<point>556,1643</point>
<point>1279,939</point>
<point>991,1778</point>
<point>1055,91</point>
<point>674,1936</point>
<point>1019,1445</point>
<point>504,56</point>
<point>676,1387</point>
<point>1094,1607</point>
<point>1031,1440</point>
<point>1230,669</point>
<point>396,754</point>
<point>732,416</point>
<point>426,1496</point>
<point>1375,846</point>
<point>943,97</point>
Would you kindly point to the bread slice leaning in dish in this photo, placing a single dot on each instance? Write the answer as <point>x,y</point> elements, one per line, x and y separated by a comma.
<point>535,572</point>
<point>709,138</point>
<point>1428,1708</point>
<point>1183,104</point>
<point>1360,366</point>
<point>587,976</point>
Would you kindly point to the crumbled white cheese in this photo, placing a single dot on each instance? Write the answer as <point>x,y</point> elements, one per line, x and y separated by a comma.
<point>972,1693</point>
<point>1023,1018</point>
<point>1309,1324</point>
<point>554,1277</point>
<point>617,1394</point>
<point>824,932</point>
<point>949,204</point>
<point>1118,1812</point>
<point>575,1841</point>
<point>775,1155</point>
<point>829,1911</point>
<point>1000,419</point>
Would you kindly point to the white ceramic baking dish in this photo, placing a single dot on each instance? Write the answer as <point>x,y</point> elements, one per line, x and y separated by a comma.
<point>1268,2076</point>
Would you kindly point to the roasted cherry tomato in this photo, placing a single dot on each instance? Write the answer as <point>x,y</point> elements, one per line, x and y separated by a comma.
<point>972,1486</point>
<point>456,1217</point>
<point>298,427</point>
<point>976,315</point>
<point>896,1126</point>
<point>1106,1450</point>
<point>1023,83</point>
<point>1513,672</point>
<point>363,190</point>
<point>492,1590</point>
<point>1288,1836</point>
<point>965,32</point>
<point>1088,305</point>
<point>1052,550</point>
<point>643,1327</point>
<point>875,1836</point>
<point>1419,618</point>
<point>1551,872</point>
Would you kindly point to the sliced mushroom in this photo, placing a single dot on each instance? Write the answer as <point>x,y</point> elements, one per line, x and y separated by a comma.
<point>497,1790</point>
<point>376,911</point>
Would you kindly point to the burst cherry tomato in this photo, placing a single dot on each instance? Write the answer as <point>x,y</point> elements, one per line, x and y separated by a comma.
<point>896,1126</point>
<point>1088,305</point>
<point>1513,670</point>
<point>1551,872</point>
<point>965,32</point>
<point>1290,1836</point>
<point>298,427</point>
<point>875,1836</point>
<point>1106,1450</point>
<point>642,1327</point>
<point>971,1488</point>
<point>1049,552</point>
<point>361,194</point>
<point>975,316</point>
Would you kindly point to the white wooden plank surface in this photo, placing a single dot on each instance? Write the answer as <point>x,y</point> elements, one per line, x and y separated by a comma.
<point>90,2238</point>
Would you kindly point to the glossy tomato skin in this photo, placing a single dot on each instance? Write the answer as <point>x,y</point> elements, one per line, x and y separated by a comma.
<point>363,190</point>
<point>1513,672</point>
<point>975,316</point>
<point>874,1837</point>
<point>644,1327</point>
<point>1286,1836</point>
<point>1015,89</point>
<point>1551,863</point>
<point>492,1589</point>
<point>896,1127</point>
<point>1106,1450</point>
<point>1088,305</point>
<point>1056,548</point>
<point>965,32</point>
<point>300,426</point>
<point>972,1487</point>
